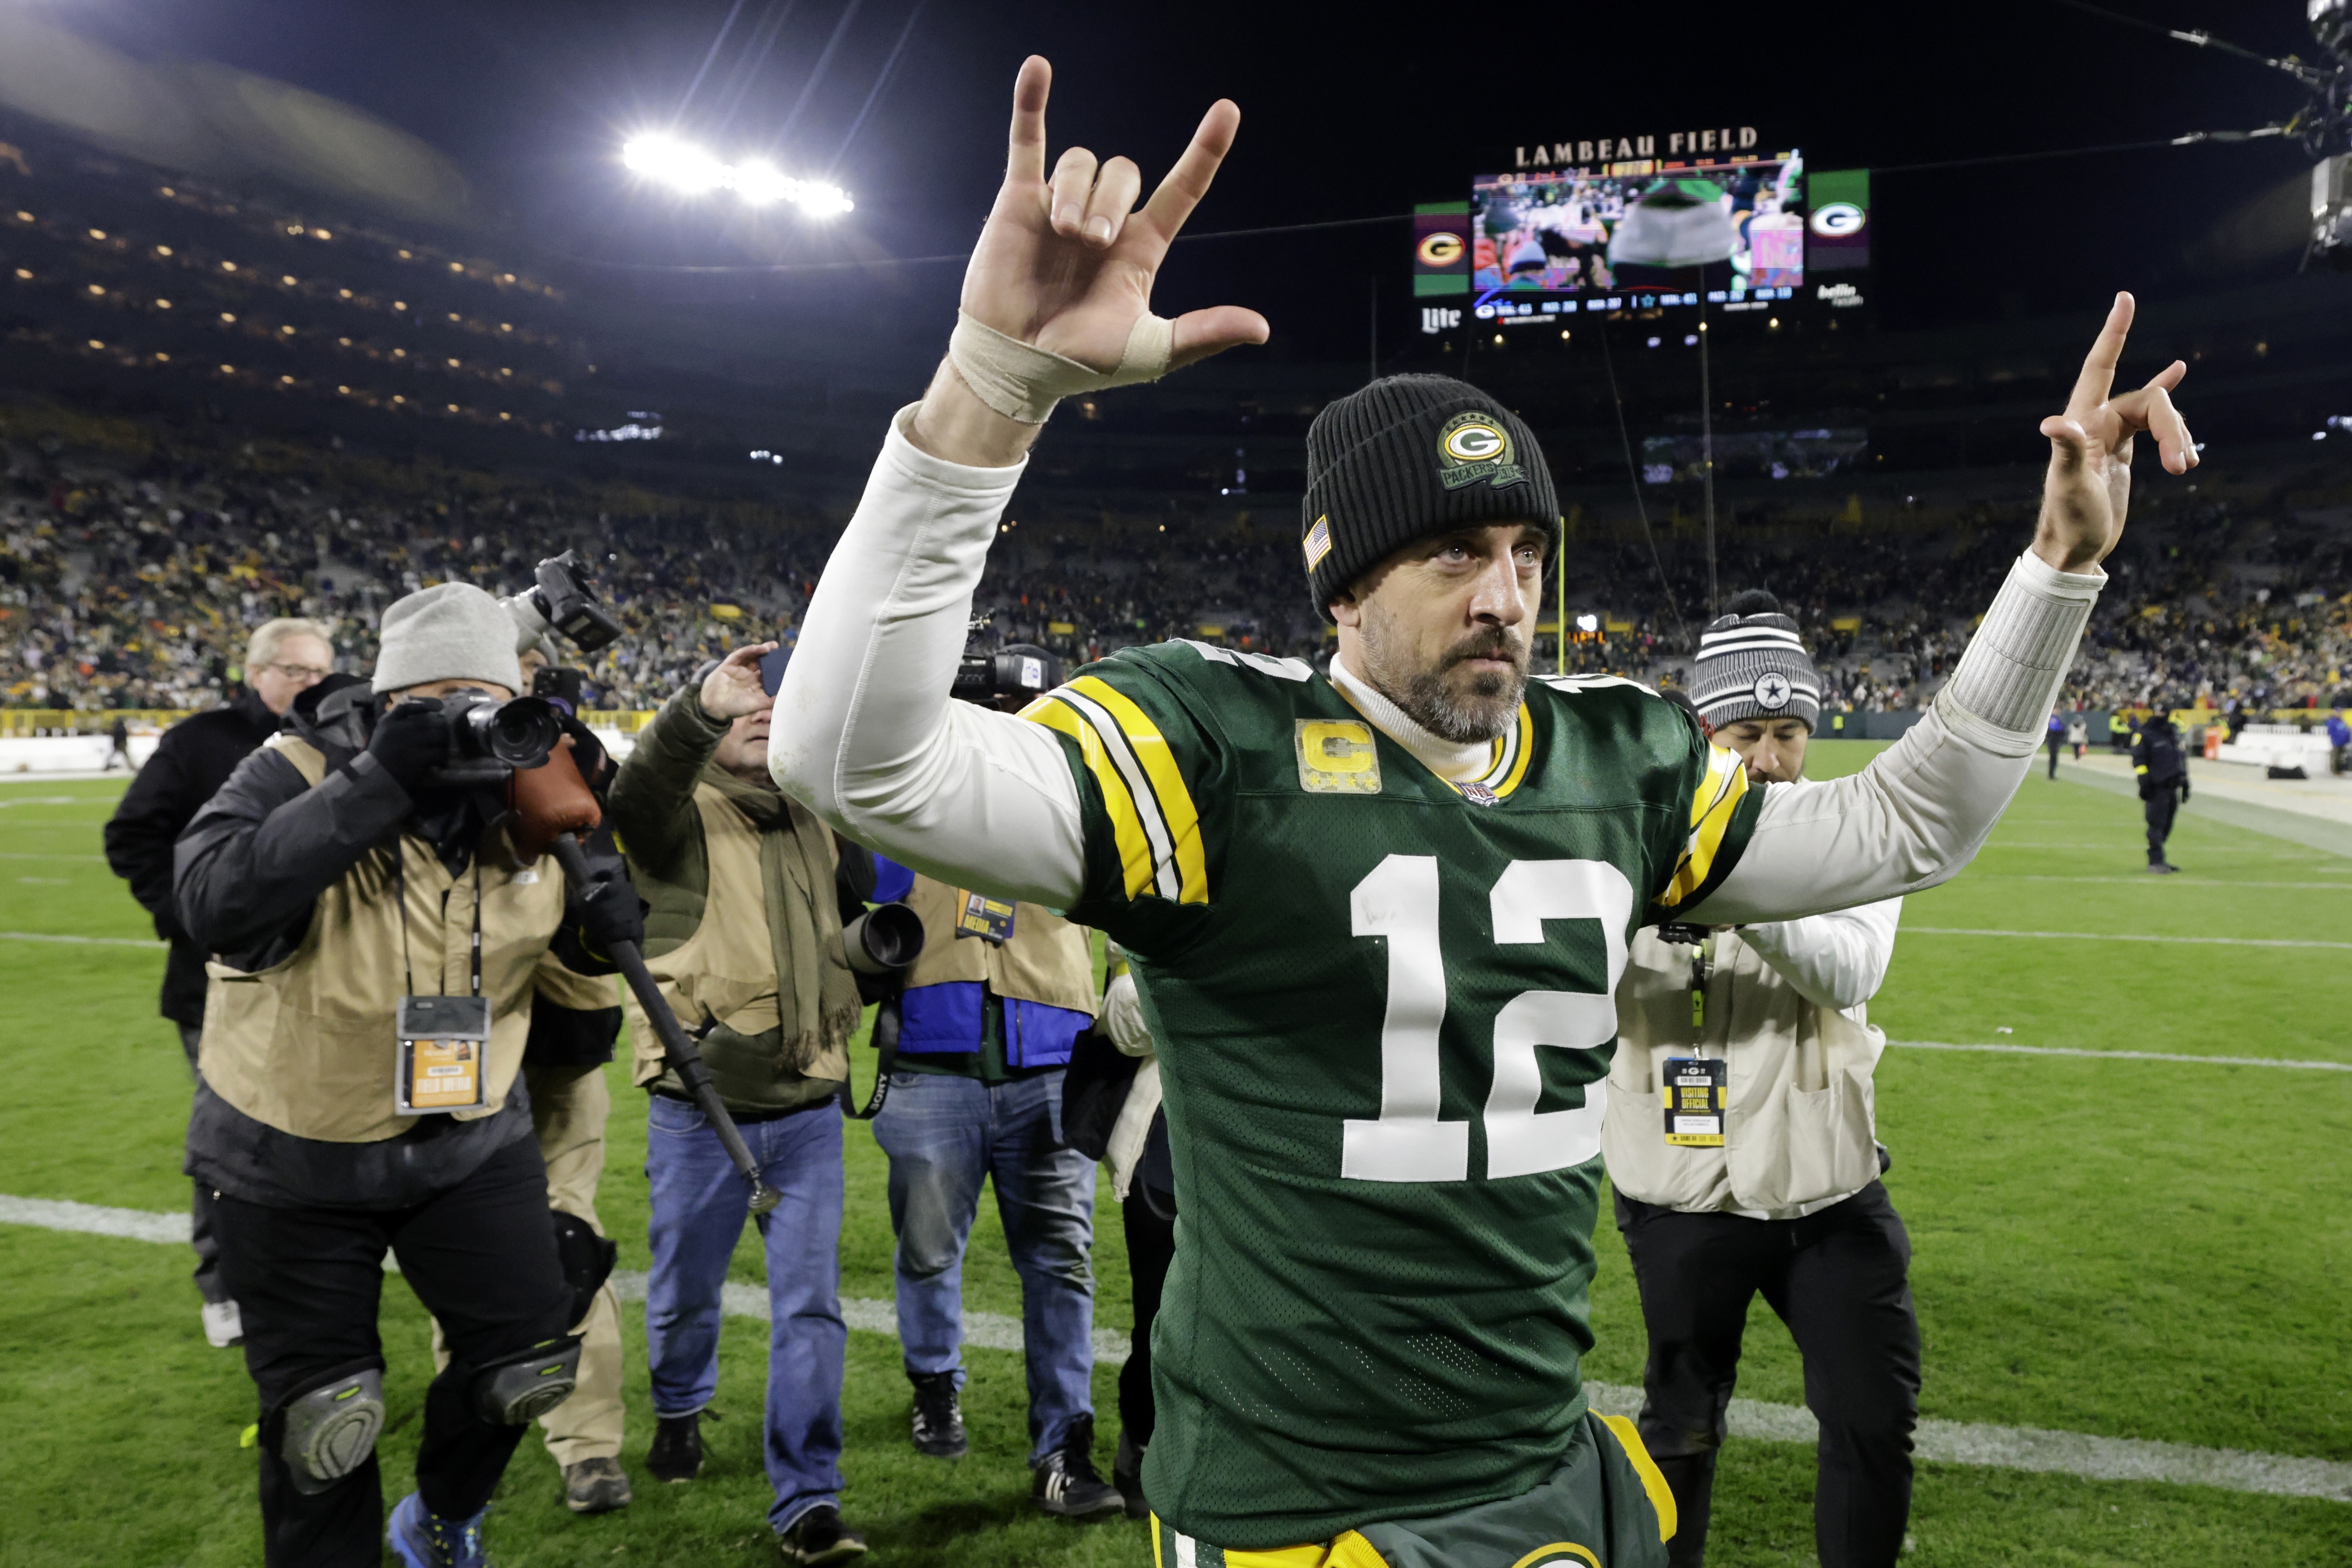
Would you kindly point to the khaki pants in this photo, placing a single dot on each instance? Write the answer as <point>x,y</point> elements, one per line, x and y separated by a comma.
<point>569,1107</point>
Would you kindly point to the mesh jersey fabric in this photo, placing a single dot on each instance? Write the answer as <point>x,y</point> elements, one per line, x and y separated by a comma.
<point>1382,1006</point>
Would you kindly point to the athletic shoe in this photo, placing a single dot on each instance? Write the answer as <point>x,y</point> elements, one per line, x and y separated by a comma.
<point>818,1537</point>
<point>1127,1475</point>
<point>939,1416</point>
<point>676,1453</point>
<point>2163,868</point>
<point>224,1324</point>
<point>595,1486</point>
<point>1067,1482</point>
<point>421,1538</point>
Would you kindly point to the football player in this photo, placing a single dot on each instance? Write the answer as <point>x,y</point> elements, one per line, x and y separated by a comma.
<point>1376,918</point>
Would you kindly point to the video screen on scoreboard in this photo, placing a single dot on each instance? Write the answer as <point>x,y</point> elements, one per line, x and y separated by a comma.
<point>1648,232</point>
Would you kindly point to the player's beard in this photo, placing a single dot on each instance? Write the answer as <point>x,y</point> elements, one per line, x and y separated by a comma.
<point>1437,696</point>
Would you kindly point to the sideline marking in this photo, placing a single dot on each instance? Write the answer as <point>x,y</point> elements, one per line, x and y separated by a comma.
<point>2036,876</point>
<point>1947,1442</point>
<point>2129,1055</point>
<point>2116,937</point>
<point>85,941</point>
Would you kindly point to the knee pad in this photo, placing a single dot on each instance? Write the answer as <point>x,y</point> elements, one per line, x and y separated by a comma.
<point>517,1389</point>
<point>329,1431</point>
<point>586,1258</point>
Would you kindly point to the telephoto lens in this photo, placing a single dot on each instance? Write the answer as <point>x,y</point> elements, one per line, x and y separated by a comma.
<point>884,939</point>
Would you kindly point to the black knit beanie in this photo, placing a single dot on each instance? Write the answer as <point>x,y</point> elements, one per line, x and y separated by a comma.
<point>1406,457</point>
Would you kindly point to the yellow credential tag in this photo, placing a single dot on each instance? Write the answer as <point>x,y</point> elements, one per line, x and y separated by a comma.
<point>1337,757</point>
<point>442,1043</point>
<point>989,919</point>
<point>1696,1092</point>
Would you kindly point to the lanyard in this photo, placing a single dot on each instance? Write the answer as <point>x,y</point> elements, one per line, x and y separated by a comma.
<point>473,953</point>
<point>1702,969</point>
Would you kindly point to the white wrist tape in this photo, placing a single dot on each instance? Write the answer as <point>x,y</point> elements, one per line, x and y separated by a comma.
<point>2015,663</point>
<point>1022,382</point>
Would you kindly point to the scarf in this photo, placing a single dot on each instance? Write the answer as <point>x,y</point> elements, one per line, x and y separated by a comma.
<point>816,991</point>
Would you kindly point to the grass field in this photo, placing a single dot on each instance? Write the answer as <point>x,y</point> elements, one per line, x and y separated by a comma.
<point>2123,1248</point>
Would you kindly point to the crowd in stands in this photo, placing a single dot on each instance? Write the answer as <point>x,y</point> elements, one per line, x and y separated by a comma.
<point>130,569</point>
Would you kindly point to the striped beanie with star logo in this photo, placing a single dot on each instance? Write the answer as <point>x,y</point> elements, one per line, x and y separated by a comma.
<point>1752,664</point>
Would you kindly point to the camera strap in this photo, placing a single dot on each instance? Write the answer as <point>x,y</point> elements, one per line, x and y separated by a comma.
<point>885,1040</point>
<point>442,1042</point>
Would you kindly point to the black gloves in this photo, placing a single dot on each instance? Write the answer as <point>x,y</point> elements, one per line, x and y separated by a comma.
<point>2184,787</point>
<point>608,910</point>
<point>411,741</point>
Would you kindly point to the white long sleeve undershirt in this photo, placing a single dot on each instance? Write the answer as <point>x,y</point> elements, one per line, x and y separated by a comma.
<point>867,734</point>
<point>1837,961</point>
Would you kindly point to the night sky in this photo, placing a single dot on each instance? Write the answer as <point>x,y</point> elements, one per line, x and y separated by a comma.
<point>1348,112</point>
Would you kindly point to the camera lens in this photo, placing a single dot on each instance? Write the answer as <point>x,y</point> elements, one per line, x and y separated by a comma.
<point>521,733</point>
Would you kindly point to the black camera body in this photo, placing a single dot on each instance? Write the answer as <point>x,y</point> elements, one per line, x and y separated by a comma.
<point>490,737</point>
<point>565,594</point>
<point>1020,670</point>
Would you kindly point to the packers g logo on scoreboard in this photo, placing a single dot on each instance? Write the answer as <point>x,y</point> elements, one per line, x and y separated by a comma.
<point>1474,447</point>
<point>1441,249</point>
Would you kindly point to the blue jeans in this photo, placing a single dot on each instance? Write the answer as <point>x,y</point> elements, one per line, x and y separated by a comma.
<point>698,1205</point>
<point>945,1136</point>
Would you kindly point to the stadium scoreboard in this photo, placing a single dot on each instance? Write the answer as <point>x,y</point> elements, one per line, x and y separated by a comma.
<point>1645,224</point>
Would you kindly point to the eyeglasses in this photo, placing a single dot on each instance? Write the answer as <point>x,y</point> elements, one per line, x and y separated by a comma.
<point>301,672</point>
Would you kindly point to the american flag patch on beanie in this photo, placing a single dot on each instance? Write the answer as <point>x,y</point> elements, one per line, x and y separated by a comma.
<point>1318,543</point>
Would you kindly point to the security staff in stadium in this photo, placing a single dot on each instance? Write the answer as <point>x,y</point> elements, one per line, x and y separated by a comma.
<point>2162,769</point>
<point>1740,1141</point>
<point>745,938</point>
<point>350,896</point>
<point>574,1021</point>
<point>283,659</point>
<point>988,1016</point>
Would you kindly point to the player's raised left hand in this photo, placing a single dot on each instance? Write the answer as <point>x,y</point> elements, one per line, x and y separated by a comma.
<point>2089,484</point>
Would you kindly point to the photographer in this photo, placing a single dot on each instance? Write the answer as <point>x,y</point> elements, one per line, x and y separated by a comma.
<point>377,940</point>
<point>1739,1137</point>
<point>745,940</point>
<point>989,1015</point>
<point>283,659</point>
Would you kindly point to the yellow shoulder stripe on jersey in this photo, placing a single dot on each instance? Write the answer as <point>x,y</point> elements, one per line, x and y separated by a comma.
<point>1164,781</point>
<point>1712,805</point>
<point>1662,1497</point>
<point>1126,828</point>
<point>1347,1550</point>
<point>1511,754</point>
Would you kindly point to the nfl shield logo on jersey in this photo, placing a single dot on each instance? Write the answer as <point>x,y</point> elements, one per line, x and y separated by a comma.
<point>1479,795</point>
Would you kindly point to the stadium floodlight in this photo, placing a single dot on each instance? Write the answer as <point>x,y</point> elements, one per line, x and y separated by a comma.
<point>692,171</point>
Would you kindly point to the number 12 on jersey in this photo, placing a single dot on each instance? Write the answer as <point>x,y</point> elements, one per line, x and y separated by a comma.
<point>1399,901</point>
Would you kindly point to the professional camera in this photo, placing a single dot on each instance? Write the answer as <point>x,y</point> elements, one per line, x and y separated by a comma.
<point>565,597</point>
<point>1021,670</point>
<point>490,737</point>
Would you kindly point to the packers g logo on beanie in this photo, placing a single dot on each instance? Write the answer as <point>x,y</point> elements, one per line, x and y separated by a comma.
<point>1474,446</point>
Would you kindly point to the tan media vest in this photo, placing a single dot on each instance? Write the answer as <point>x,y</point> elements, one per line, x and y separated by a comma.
<point>1799,1127</point>
<point>306,1046</point>
<point>1048,960</point>
<point>727,969</point>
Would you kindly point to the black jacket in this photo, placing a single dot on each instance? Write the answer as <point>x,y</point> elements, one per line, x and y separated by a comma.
<point>249,870</point>
<point>2157,758</point>
<point>192,761</point>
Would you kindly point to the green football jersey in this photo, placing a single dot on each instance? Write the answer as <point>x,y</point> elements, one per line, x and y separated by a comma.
<point>1382,1003</point>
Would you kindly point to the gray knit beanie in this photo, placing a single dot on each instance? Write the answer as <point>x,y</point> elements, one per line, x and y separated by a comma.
<point>452,630</point>
<point>1751,664</point>
<point>1406,457</point>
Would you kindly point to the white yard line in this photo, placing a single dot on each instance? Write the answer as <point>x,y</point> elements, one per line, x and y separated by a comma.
<point>2143,880</point>
<point>1947,1442</point>
<point>2130,1055</point>
<point>2118,937</point>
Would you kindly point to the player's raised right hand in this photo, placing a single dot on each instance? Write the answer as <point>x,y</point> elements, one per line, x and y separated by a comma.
<point>1066,262</point>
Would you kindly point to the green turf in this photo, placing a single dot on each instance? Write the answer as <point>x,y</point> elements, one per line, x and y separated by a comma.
<point>2131,1248</point>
